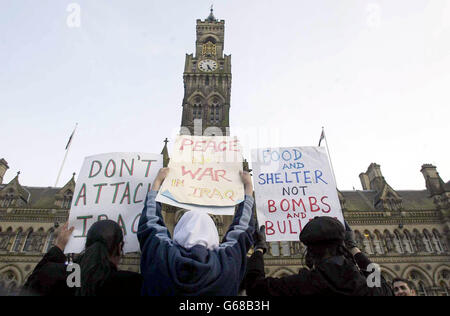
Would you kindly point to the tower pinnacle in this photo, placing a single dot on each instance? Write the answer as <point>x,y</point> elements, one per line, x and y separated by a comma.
<point>211,17</point>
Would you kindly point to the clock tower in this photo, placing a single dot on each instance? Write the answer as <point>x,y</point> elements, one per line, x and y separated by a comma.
<point>207,82</point>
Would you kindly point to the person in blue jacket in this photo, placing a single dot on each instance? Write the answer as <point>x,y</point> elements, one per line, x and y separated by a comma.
<point>194,263</point>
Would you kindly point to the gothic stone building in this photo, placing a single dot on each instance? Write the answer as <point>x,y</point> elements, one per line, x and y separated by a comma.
<point>406,232</point>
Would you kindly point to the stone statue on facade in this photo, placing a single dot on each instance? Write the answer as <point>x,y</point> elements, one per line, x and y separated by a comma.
<point>389,242</point>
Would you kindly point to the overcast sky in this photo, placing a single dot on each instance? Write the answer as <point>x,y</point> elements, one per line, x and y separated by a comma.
<point>375,74</point>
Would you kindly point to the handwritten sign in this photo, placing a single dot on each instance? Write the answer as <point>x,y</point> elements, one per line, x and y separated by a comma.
<point>204,170</point>
<point>214,210</point>
<point>112,186</point>
<point>292,186</point>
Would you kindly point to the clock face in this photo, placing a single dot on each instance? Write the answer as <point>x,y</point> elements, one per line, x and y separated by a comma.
<point>207,65</point>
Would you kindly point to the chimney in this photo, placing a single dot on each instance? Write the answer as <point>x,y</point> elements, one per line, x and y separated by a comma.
<point>433,181</point>
<point>365,183</point>
<point>3,167</point>
<point>375,177</point>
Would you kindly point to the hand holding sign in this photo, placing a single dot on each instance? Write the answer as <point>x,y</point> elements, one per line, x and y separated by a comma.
<point>112,186</point>
<point>292,186</point>
<point>204,171</point>
<point>247,180</point>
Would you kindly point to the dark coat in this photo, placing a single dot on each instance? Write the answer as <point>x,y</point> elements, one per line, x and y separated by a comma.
<point>50,275</point>
<point>333,276</point>
<point>169,269</point>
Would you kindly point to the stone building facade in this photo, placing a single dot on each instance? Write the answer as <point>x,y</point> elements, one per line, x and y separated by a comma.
<point>407,232</point>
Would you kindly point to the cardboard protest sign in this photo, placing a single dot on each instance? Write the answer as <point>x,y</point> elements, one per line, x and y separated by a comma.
<point>112,186</point>
<point>214,210</point>
<point>204,170</point>
<point>292,186</point>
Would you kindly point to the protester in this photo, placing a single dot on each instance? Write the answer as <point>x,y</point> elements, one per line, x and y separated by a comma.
<point>98,265</point>
<point>194,262</point>
<point>332,266</point>
<point>49,276</point>
<point>403,287</point>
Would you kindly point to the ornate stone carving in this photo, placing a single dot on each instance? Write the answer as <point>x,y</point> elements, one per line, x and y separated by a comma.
<point>390,246</point>
<point>419,242</point>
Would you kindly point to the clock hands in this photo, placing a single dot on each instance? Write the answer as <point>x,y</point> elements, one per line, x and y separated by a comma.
<point>207,65</point>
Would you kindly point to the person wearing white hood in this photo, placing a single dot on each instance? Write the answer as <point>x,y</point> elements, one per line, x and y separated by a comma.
<point>196,228</point>
<point>194,263</point>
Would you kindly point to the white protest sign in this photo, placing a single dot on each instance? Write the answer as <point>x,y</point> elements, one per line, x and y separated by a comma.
<point>292,186</point>
<point>214,210</point>
<point>204,170</point>
<point>112,186</point>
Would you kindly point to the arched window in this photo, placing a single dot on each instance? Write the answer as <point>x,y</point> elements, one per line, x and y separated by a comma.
<point>214,115</point>
<point>419,281</point>
<point>28,241</point>
<point>422,291</point>
<point>197,108</point>
<point>51,239</point>
<point>298,248</point>
<point>398,242</point>
<point>378,242</point>
<point>209,39</point>
<point>17,247</point>
<point>285,248</point>
<point>217,115</point>
<point>408,242</point>
<point>275,249</point>
<point>427,241</point>
<point>437,241</point>
<point>5,238</point>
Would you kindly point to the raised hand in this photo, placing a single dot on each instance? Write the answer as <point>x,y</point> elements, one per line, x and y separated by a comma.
<point>62,236</point>
<point>260,239</point>
<point>247,180</point>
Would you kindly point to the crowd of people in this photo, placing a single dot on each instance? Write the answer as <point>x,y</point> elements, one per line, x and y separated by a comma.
<point>193,262</point>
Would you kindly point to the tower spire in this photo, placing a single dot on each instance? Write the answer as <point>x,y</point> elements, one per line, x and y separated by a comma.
<point>211,17</point>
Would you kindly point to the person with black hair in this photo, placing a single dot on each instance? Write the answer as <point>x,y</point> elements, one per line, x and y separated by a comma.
<point>336,265</point>
<point>403,287</point>
<point>193,262</point>
<point>98,266</point>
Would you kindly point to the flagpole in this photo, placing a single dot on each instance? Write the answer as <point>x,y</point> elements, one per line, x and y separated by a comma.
<point>329,156</point>
<point>65,156</point>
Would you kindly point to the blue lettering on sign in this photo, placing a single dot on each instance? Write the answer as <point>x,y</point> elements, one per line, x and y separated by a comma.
<point>305,177</point>
<point>286,155</point>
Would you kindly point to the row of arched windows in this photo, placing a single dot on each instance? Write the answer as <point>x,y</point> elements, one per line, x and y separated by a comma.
<point>26,241</point>
<point>215,110</point>
<point>401,242</point>
<point>377,243</point>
